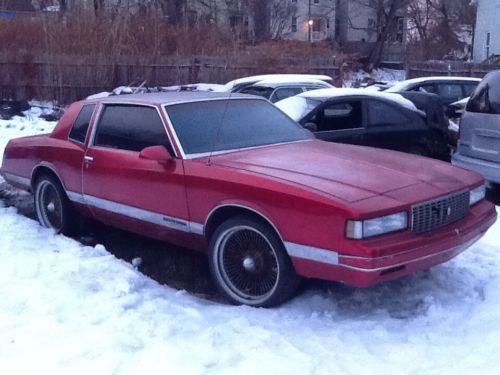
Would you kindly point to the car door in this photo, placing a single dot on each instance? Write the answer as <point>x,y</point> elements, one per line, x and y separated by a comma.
<point>341,120</point>
<point>391,126</point>
<point>122,188</point>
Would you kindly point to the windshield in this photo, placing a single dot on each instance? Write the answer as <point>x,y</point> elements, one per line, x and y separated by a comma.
<point>221,125</point>
<point>297,107</point>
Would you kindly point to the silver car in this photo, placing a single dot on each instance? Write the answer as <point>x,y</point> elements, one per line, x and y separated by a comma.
<point>479,144</point>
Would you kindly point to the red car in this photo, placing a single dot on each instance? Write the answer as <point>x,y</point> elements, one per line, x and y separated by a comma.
<point>232,175</point>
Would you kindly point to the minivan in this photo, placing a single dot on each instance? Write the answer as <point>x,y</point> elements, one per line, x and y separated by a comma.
<point>479,140</point>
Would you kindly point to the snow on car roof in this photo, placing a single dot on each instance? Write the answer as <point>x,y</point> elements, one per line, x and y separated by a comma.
<point>324,94</point>
<point>214,87</point>
<point>402,85</point>
<point>282,77</point>
<point>277,81</point>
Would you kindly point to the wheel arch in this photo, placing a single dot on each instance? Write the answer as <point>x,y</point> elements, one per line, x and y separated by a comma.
<point>224,212</point>
<point>44,169</point>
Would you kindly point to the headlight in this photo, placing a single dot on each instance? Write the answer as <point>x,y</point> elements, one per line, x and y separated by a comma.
<point>374,227</point>
<point>477,194</point>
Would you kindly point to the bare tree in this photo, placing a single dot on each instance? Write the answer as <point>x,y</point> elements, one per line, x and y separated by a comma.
<point>282,12</point>
<point>440,28</point>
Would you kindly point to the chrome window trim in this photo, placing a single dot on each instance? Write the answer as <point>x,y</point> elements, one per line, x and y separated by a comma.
<point>97,121</point>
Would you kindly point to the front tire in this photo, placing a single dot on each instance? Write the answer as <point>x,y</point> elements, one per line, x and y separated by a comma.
<point>249,264</point>
<point>53,208</point>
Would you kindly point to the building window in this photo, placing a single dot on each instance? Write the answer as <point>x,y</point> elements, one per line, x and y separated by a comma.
<point>316,26</point>
<point>316,1</point>
<point>488,43</point>
<point>294,24</point>
<point>400,30</point>
<point>371,24</point>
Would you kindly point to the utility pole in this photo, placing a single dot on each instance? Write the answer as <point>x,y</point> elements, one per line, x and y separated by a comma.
<point>309,22</point>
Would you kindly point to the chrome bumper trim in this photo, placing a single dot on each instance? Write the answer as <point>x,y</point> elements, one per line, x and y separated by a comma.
<point>457,250</point>
<point>312,253</point>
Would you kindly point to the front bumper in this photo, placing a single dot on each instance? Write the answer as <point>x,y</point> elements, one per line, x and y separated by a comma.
<point>489,170</point>
<point>403,253</point>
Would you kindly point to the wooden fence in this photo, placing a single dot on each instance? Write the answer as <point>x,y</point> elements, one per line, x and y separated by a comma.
<point>449,68</point>
<point>72,78</point>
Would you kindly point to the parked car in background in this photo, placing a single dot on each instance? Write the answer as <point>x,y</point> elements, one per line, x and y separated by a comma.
<point>449,89</point>
<point>275,89</point>
<point>479,140</point>
<point>232,175</point>
<point>239,84</point>
<point>371,118</point>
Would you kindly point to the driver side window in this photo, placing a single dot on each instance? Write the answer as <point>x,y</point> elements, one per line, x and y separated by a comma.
<point>131,128</point>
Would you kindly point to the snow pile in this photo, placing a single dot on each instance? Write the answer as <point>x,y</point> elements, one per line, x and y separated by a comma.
<point>66,308</point>
<point>390,76</point>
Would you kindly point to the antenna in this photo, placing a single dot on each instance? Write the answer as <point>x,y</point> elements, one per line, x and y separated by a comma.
<point>217,133</point>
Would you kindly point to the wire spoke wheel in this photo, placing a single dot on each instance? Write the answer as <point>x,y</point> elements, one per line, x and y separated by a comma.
<point>49,206</point>
<point>248,262</point>
<point>52,206</point>
<point>250,265</point>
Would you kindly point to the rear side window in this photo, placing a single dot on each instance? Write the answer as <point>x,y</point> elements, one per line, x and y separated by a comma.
<point>81,125</point>
<point>450,91</point>
<point>383,114</point>
<point>265,92</point>
<point>426,88</point>
<point>486,98</point>
<point>285,92</point>
<point>131,128</point>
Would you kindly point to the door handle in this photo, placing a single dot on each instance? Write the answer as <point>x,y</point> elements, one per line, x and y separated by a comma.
<point>88,158</point>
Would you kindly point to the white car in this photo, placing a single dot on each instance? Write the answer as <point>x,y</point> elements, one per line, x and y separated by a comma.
<point>450,89</point>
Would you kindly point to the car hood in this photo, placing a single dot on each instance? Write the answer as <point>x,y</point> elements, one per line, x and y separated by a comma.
<point>350,173</point>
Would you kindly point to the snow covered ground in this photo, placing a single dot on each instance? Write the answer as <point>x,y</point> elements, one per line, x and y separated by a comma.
<point>66,308</point>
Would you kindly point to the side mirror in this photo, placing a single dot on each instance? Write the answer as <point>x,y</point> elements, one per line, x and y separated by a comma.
<point>311,126</point>
<point>157,153</point>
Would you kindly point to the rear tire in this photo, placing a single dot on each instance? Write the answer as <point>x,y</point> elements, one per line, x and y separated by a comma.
<point>53,208</point>
<point>249,264</point>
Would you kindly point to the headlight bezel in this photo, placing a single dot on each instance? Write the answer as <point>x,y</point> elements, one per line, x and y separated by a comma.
<point>477,194</point>
<point>362,229</point>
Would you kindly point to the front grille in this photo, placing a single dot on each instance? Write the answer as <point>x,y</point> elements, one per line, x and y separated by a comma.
<point>437,213</point>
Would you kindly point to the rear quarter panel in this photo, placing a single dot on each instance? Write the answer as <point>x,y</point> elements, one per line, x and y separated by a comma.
<point>23,155</point>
